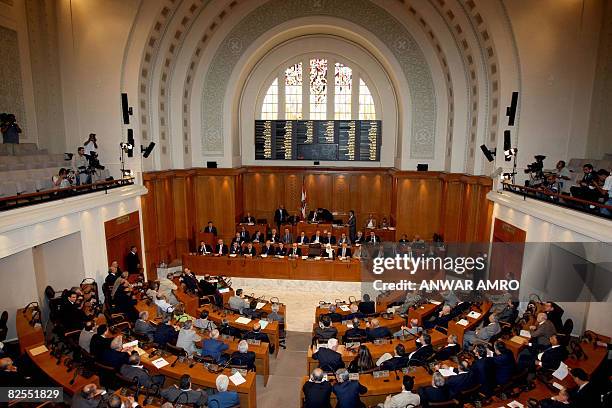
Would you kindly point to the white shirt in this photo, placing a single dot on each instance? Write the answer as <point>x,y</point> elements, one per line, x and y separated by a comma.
<point>89,147</point>
<point>608,185</point>
<point>164,306</point>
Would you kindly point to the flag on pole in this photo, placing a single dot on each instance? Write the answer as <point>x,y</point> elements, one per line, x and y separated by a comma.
<point>303,199</point>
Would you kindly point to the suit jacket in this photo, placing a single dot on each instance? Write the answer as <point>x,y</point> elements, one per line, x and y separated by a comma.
<point>248,220</point>
<point>423,353</point>
<point>213,348</point>
<point>329,240</point>
<point>296,252</point>
<point>175,395</point>
<point>245,359</point>
<point>268,251</point>
<point>131,262</point>
<point>252,251</point>
<point>555,316</point>
<point>335,317</point>
<point>78,401</point>
<point>72,316</point>
<point>280,216</point>
<point>347,252</point>
<point>508,315</point>
<point>344,240</point>
<point>379,333</point>
<point>114,358</point>
<point>329,360</point>
<point>373,240</point>
<point>552,357</point>
<point>256,238</point>
<point>144,327</point>
<point>347,394</point>
<point>316,395</point>
<point>354,333</point>
<point>204,249</point>
<point>273,238</point>
<point>302,240</point>
<point>367,307</point>
<point>352,225</point>
<point>287,239</point>
<point>359,240</point>
<point>212,230</point>
<point>165,334</point>
<point>326,333</point>
<point>235,250</point>
<point>447,352</point>
<point>432,394</point>
<point>551,403</point>
<point>395,363</point>
<point>460,382</point>
<point>314,237</point>
<point>280,251</point>
<point>244,236</point>
<point>224,399</point>
<point>131,372</point>
<point>224,249</point>
<point>257,335</point>
<point>356,315</point>
<point>504,367</point>
<point>488,331</point>
<point>542,333</point>
<point>483,371</point>
<point>588,396</point>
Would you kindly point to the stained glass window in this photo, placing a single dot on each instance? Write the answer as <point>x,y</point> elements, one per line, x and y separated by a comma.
<point>269,109</point>
<point>293,92</point>
<point>367,110</point>
<point>343,79</point>
<point>318,88</point>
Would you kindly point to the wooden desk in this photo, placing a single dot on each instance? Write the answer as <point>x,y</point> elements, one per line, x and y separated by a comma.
<point>262,356</point>
<point>200,376</point>
<point>251,229</point>
<point>311,229</point>
<point>275,268</point>
<point>272,329</point>
<point>59,374</point>
<point>459,330</point>
<point>29,336</point>
<point>392,324</point>
<point>385,234</point>
<point>325,310</point>
<point>423,312</point>
<point>377,350</point>
<point>208,237</point>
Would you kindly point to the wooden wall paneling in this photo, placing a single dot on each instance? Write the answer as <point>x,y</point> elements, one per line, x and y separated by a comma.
<point>215,201</point>
<point>452,206</point>
<point>319,189</point>
<point>191,211</point>
<point>164,204</point>
<point>291,195</point>
<point>182,207</point>
<point>149,219</point>
<point>419,205</point>
<point>121,233</point>
<point>238,198</point>
<point>341,194</point>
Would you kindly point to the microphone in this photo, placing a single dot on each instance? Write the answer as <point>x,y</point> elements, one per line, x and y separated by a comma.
<point>175,360</point>
<point>137,380</point>
<point>396,375</point>
<point>74,376</point>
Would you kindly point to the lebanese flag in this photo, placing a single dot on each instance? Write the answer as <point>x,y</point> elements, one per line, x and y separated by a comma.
<point>303,200</point>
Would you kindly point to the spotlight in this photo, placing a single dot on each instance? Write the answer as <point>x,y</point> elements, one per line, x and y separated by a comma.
<point>489,153</point>
<point>146,151</point>
<point>126,147</point>
<point>125,173</point>
<point>509,151</point>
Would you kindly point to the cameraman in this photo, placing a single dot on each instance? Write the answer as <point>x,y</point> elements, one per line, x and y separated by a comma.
<point>10,128</point>
<point>91,144</point>
<point>80,166</point>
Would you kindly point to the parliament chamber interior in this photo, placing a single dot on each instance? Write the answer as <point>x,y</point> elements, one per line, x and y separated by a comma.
<point>306,203</point>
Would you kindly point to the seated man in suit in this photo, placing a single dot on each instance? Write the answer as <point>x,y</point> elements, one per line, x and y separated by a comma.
<point>355,313</point>
<point>238,302</point>
<point>329,238</point>
<point>165,333</point>
<point>220,248</point>
<point>287,237</point>
<point>85,337</point>
<point>451,349</point>
<point>344,251</point>
<point>143,326</point>
<point>413,329</point>
<point>295,251</point>
<point>404,239</point>
<point>367,306</point>
<point>424,351</point>
<point>114,356</point>
<point>541,332</point>
<point>237,238</point>
<point>317,238</point>
<point>317,391</point>
<point>213,347</point>
<point>250,251</point>
<point>273,236</point>
<point>586,394</point>
<point>280,250</point>
<point>554,312</point>
<point>190,281</point>
<point>371,221</point>
<point>183,393</point>
<point>100,341</point>
<point>404,398</point>
<point>561,400</point>
<point>372,238</point>
<point>11,375</point>
<point>437,392</point>
<point>267,249</point>
<point>550,359</point>
<point>441,320</point>
<point>244,235</point>
<point>248,218</point>
<point>509,313</point>
<point>462,381</point>
<point>275,316</point>
<point>204,249</point>
<point>483,369</point>
<point>235,249</point>
<point>356,332</point>
<point>210,228</point>
<point>226,329</point>
<point>375,331</point>
<point>325,330</point>
<point>503,362</point>
<point>133,369</point>
<point>398,361</point>
<point>328,252</point>
<point>344,239</point>
<point>72,317</point>
<point>333,315</point>
<point>87,397</point>
<point>359,238</point>
<point>203,322</point>
<point>243,356</point>
<point>483,334</point>
<point>257,237</point>
<point>329,359</point>
<point>302,239</point>
<point>347,391</point>
<point>223,397</point>
<point>188,338</point>
<point>256,334</point>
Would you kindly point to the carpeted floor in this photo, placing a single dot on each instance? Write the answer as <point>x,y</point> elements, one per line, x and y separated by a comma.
<point>286,372</point>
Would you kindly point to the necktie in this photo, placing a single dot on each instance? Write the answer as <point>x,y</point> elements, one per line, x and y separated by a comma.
<point>220,249</point>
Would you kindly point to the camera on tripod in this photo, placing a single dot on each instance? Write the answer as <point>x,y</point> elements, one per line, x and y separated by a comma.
<point>93,163</point>
<point>535,170</point>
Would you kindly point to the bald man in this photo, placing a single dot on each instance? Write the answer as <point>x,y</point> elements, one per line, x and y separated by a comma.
<point>87,397</point>
<point>317,392</point>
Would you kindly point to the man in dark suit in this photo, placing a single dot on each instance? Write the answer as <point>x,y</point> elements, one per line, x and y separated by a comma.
<point>235,249</point>
<point>280,216</point>
<point>329,359</point>
<point>316,238</point>
<point>586,394</point>
<point>183,394</point>
<point>237,238</point>
<point>333,315</point>
<point>250,250</point>
<point>451,349</point>
<point>268,249</point>
<point>213,347</point>
<point>325,331</point>
<point>132,262</point>
<point>248,218</point>
<point>541,332</point>
<point>373,239</point>
<point>165,333</point>
<point>317,392</point>
<point>302,239</point>
<point>329,239</point>
<point>355,313</point>
<point>359,238</point>
<point>256,334</point>
<point>352,225</point>
<point>464,380</point>
<point>425,350</point>
<point>561,400</point>
<point>287,237</point>
<point>72,316</point>
<point>113,356</point>
<point>189,280</point>
<point>509,313</point>
<point>244,235</point>
<point>223,398</point>
<point>243,356</point>
<point>551,358</point>
<point>133,369</point>
<point>367,306</point>
<point>204,249</point>
<point>221,248</point>
<point>210,228</point>
<point>100,342</point>
<point>483,369</point>
<point>554,312</point>
<point>87,397</point>
<point>344,251</point>
<point>503,362</point>
<point>397,362</point>
<point>348,391</point>
<point>273,236</point>
<point>355,332</point>
<point>280,250</point>
<point>441,320</point>
<point>436,392</point>
<point>295,251</point>
<point>377,332</point>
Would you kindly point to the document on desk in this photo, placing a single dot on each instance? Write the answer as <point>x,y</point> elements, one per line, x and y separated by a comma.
<point>345,308</point>
<point>224,290</point>
<point>474,314</point>
<point>561,372</point>
<point>263,324</point>
<point>447,372</point>
<point>260,305</point>
<point>243,320</point>
<point>515,404</point>
<point>237,378</point>
<point>435,302</point>
<point>525,333</point>
<point>463,322</point>
<point>130,344</point>
<point>159,363</point>
<point>38,350</point>
<point>558,386</point>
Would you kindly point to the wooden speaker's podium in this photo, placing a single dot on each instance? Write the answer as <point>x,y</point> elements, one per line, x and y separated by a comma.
<point>208,238</point>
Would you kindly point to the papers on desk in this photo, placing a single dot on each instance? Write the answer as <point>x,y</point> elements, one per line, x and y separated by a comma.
<point>233,255</point>
<point>140,351</point>
<point>243,320</point>
<point>160,362</point>
<point>474,314</point>
<point>561,372</point>
<point>224,290</point>
<point>259,305</point>
<point>391,228</point>
<point>519,340</point>
<point>264,255</point>
<point>345,308</point>
<point>558,386</point>
<point>130,344</point>
<point>38,350</point>
<point>304,256</point>
<point>515,404</point>
<point>317,258</point>
<point>435,302</point>
<point>463,322</point>
<point>489,353</point>
<point>525,333</point>
<point>447,372</point>
<point>263,324</point>
<point>237,378</point>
